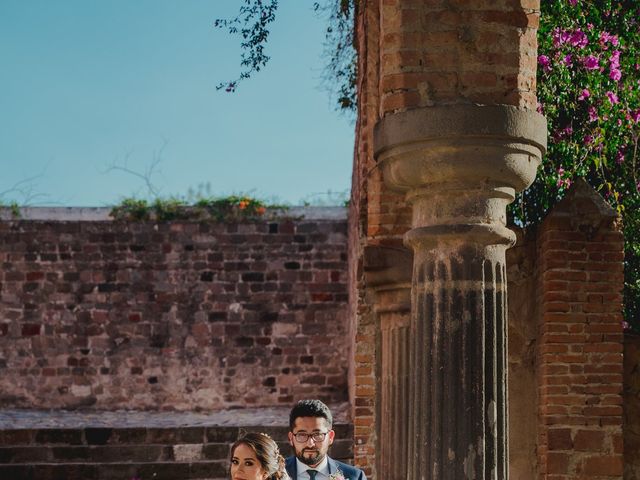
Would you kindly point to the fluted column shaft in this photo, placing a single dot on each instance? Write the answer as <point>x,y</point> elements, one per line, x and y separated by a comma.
<point>460,167</point>
<point>388,272</point>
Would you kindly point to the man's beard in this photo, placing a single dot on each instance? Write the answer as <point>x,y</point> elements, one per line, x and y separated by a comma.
<point>314,460</point>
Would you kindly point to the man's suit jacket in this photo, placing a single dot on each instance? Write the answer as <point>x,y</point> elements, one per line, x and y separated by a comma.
<point>349,472</point>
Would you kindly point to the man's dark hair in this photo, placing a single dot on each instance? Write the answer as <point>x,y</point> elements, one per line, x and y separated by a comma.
<point>310,408</point>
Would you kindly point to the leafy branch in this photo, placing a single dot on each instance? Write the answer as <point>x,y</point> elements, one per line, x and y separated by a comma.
<point>251,24</point>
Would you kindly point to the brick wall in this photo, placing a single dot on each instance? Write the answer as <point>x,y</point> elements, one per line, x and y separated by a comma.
<point>378,217</point>
<point>441,52</point>
<point>631,428</point>
<point>580,344</point>
<point>523,331</point>
<point>172,315</point>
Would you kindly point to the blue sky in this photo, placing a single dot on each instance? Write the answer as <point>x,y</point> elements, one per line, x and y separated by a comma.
<point>91,85</point>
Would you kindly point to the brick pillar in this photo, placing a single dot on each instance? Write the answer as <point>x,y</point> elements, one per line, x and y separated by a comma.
<point>388,273</point>
<point>580,342</point>
<point>378,217</point>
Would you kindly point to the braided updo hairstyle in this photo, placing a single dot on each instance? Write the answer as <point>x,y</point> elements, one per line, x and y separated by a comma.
<point>267,453</point>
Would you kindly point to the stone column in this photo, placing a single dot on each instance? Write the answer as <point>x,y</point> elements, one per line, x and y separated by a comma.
<point>387,271</point>
<point>460,166</point>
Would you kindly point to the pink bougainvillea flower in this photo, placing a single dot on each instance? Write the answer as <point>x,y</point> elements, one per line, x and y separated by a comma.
<point>614,61</point>
<point>539,108</point>
<point>635,116</point>
<point>593,114</point>
<point>560,37</point>
<point>613,98</point>
<point>567,59</point>
<point>591,63</point>
<point>544,62</point>
<point>584,94</point>
<point>588,139</point>
<point>573,3</point>
<point>579,39</point>
<point>615,75</point>
<point>620,157</point>
<point>606,37</point>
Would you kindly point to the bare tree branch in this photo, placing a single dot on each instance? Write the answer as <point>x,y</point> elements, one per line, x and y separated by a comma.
<point>145,175</point>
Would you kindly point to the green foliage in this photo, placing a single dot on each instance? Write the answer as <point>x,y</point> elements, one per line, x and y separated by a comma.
<point>233,208</point>
<point>340,72</point>
<point>132,209</point>
<point>251,24</point>
<point>588,90</point>
<point>13,207</point>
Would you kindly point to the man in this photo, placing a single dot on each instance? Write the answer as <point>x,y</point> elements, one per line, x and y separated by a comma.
<point>310,435</point>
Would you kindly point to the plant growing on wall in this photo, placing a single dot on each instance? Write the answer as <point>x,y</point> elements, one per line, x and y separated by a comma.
<point>588,88</point>
<point>233,208</point>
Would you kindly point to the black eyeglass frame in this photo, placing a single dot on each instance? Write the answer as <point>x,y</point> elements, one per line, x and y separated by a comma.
<point>303,437</point>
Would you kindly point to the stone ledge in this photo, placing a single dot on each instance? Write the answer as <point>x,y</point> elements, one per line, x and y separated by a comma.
<point>101,214</point>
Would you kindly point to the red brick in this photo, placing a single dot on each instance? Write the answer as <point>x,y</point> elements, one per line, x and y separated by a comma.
<point>557,463</point>
<point>603,465</point>
<point>559,439</point>
<point>589,440</point>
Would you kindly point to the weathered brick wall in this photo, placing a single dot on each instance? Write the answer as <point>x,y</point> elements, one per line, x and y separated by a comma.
<point>631,427</point>
<point>580,344</point>
<point>441,52</point>
<point>378,216</point>
<point>522,329</point>
<point>172,315</point>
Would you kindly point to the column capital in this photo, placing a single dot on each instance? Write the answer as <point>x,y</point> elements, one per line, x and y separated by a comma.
<point>500,144</point>
<point>461,165</point>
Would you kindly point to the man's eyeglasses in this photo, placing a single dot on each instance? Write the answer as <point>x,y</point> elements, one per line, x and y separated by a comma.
<point>302,437</point>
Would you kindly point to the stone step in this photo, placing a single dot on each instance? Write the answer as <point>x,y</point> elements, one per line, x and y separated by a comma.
<point>341,450</point>
<point>117,471</point>
<point>51,451</point>
<point>143,435</point>
<point>113,453</point>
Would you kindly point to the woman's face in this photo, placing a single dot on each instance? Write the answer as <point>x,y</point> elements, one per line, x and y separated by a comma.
<point>245,465</point>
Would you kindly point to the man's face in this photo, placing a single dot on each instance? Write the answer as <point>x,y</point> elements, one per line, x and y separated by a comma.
<point>311,452</point>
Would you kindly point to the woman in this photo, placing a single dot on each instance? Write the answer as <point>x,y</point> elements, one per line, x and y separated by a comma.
<point>255,456</point>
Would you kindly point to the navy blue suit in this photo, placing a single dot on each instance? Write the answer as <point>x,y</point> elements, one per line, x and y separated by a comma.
<point>349,472</point>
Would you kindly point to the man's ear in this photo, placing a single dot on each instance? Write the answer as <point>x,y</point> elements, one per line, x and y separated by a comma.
<point>332,434</point>
<point>290,435</point>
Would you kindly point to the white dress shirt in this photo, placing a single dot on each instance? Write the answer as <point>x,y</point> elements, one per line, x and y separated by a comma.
<point>322,469</point>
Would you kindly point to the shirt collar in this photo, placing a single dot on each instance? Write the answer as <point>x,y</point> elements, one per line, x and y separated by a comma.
<point>322,467</point>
